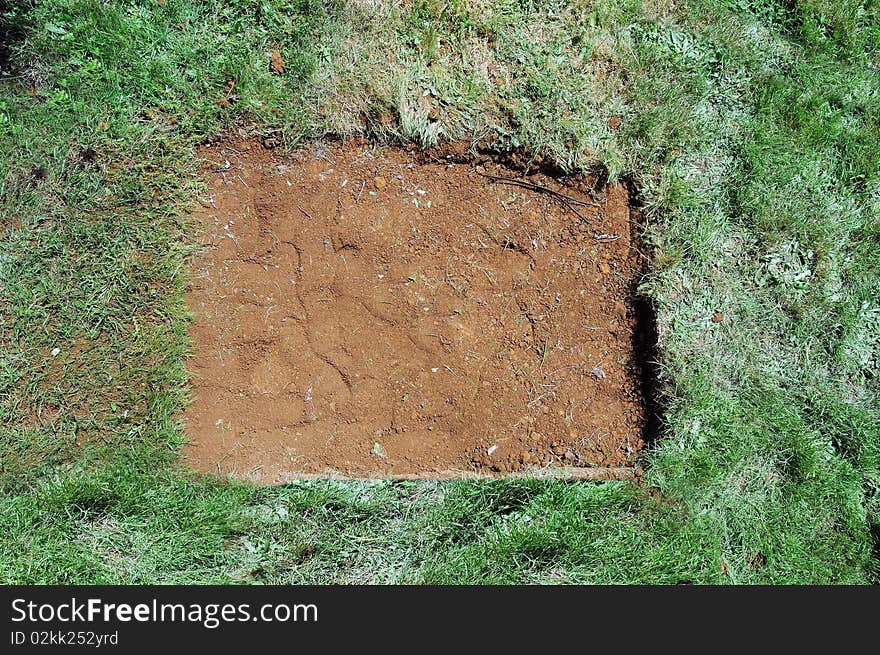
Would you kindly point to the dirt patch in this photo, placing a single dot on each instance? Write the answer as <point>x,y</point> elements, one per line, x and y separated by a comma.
<point>384,312</point>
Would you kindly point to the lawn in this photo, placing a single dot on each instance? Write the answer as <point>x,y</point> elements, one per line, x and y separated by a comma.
<point>751,130</point>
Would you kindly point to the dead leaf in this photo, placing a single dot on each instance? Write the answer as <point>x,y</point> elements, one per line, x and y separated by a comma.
<point>755,560</point>
<point>717,317</point>
<point>276,63</point>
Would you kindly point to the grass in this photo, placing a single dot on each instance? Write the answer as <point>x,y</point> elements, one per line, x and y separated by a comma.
<point>752,129</point>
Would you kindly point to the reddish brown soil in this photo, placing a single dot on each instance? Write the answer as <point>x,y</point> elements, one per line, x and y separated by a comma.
<point>370,312</point>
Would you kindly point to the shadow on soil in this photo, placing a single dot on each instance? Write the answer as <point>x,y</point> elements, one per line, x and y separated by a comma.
<point>645,336</point>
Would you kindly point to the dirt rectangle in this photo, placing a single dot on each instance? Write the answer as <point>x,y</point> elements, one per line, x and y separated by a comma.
<point>368,312</point>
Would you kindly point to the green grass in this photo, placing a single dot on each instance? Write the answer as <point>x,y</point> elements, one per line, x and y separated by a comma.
<point>752,129</point>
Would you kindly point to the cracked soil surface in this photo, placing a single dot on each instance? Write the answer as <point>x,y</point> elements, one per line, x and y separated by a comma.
<point>374,312</point>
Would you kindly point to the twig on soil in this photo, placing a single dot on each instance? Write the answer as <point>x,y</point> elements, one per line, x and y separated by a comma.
<point>540,398</point>
<point>541,189</point>
<point>566,200</point>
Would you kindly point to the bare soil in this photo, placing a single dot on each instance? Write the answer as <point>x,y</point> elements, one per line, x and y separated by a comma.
<point>372,312</point>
